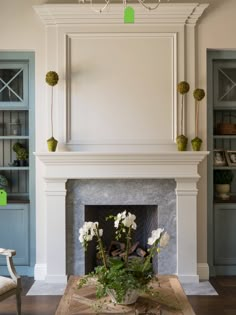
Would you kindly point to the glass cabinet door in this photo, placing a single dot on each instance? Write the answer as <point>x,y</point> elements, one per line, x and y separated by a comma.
<point>13,85</point>
<point>225,83</point>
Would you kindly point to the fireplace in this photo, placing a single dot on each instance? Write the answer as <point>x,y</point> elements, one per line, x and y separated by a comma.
<point>146,220</point>
<point>153,201</point>
<point>180,168</point>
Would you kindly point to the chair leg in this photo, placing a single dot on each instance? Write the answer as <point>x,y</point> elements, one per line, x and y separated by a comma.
<point>18,302</point>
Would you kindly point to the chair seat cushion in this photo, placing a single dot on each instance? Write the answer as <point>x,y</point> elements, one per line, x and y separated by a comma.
<point>6,284</point>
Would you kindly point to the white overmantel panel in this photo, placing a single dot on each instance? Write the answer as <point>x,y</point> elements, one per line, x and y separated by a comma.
<point>117,87</point>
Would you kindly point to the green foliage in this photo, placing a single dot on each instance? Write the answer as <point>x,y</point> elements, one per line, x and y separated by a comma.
<point>22,154</point>
<point>3,182</point>
<point>223,176</point>
<point>17,146</point>
<point>120,278</point>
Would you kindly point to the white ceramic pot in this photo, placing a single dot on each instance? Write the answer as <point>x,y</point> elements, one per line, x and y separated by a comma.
<point>130,297</point>
<point>222,191</point>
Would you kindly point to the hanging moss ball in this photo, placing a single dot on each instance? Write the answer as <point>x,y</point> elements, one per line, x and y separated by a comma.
<point>52,78</point>
<point>198,94</point>
<point>183,87</point>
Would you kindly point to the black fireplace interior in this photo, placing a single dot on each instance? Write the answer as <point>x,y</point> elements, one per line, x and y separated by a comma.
<point>146,220</point>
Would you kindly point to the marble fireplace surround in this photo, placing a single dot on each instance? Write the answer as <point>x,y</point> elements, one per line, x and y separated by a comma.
<point>151,200</point>
<point>180,166</point>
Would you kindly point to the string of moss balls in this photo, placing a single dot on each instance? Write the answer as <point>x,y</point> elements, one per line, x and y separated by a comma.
<point>182,140</point>
<point>52,79</point>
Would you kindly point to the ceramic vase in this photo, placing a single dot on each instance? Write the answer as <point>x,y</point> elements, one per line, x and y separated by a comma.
<point>130,297</point>
<point>222,191</point>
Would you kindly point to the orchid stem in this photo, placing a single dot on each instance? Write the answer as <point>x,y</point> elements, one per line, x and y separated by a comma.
<point>102,251</point>
<point>127,246</point>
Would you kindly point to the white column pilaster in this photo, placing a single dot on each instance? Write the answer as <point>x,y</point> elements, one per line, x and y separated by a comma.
<point>56,230</point>
<point>186,221</point>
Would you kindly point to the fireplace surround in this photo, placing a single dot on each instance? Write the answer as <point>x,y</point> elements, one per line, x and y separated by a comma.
<point>61,166</point>
<point>151,200</point>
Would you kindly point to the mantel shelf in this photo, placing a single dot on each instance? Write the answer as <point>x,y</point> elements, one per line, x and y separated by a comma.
<point>165,158</point>
<point>66,165</point>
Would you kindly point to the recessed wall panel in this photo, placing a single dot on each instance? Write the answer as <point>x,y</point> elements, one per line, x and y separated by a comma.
<point>121,89</point>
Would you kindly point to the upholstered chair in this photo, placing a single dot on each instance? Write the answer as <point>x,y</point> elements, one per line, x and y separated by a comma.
<point>10,285</point>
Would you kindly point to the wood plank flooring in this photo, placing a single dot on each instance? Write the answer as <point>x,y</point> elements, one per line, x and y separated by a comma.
<point>224,304</point>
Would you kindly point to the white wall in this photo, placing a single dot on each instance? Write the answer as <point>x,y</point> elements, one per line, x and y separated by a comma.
<point>21,29</point>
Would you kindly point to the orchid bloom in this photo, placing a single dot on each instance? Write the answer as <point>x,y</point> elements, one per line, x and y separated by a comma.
<point>88,231</point>
<point>126,219</point>
<point>156,234</point>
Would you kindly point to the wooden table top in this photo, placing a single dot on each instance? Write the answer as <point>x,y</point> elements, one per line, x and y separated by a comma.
<point>171,300</point>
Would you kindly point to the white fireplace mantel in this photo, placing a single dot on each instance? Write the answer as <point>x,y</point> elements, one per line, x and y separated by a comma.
<point>61,166</point>
<point>72,14</point>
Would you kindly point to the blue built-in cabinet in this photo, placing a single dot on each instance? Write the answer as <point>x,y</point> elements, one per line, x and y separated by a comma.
<point>17,217</point>
<point>221,124</point>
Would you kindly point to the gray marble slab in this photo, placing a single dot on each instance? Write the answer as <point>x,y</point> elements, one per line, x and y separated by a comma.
<point>43,288</point>
<point>122,192</point>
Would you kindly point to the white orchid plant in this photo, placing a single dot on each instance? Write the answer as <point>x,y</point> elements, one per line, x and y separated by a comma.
<point>122,274</point>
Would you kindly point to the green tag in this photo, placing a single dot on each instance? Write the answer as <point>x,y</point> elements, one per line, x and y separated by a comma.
<point>129,15</point>
<point>3,198</point>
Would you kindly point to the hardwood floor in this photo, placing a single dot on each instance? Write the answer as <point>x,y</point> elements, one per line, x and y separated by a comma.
<point>224,304</point>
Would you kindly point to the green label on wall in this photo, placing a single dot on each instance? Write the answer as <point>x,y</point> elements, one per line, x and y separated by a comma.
<point>3,198</point>
<point>129,15</point>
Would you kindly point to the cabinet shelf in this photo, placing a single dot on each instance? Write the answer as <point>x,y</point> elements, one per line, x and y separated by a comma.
<point>14,137</point>
<point>224,137</point>
<point>17,201</point>
<point>224,108</point>
<point>232,199</point>
<point>14,168</point>
<point>224,167</point>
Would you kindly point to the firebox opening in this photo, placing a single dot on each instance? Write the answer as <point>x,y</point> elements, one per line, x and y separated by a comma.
<point>146,220</point>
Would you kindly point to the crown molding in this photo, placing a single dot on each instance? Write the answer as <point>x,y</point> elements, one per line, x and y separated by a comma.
<point>73,14</point>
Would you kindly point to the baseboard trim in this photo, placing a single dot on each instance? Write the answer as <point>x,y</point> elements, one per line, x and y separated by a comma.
<point>188,278</point>
<point>203,271</point>
<point>40,271</point>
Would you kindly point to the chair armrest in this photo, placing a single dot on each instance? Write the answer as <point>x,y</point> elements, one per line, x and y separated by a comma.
<point>10,265</point>
<point>7,252</point>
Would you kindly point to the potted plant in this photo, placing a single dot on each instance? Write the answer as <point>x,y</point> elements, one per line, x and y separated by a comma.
<point>21,154</point>
<point>222,181</point>
<point>198,95</point>
<point>120,277</point>
<point>182,140</point>
<point>52,79</point>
